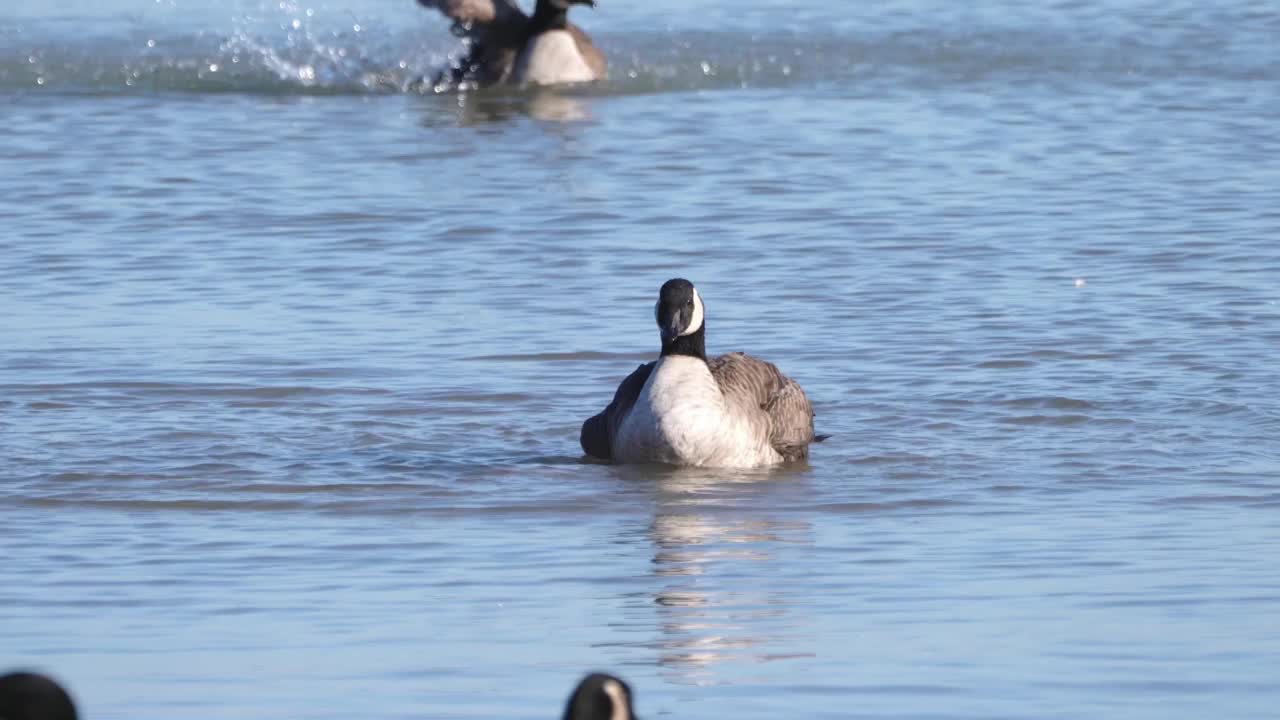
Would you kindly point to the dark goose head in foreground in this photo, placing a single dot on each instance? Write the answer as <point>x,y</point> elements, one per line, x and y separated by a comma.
<point>600,697</point>
<point>31,696</point>
<point>734,410</point>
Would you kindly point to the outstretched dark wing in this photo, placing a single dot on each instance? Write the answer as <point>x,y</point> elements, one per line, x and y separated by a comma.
<point>598,430</point>
<point>493,30</point>
<point>757,386</point>
<point>478,11</point>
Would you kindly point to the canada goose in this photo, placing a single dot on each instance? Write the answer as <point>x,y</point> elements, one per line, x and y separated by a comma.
<point>683,409</point>
<point>31,696</point>
<point>508,46</point>
<point>600,697</point>
<point>555,51</point>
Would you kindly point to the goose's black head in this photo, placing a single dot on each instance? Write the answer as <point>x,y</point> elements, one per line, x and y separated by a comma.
<point>31,696</point>
<point>680,317</point>
<point>600,697</point>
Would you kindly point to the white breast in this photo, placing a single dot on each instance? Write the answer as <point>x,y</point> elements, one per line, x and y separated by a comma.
<point>681,418</point>
<point>552,58</point>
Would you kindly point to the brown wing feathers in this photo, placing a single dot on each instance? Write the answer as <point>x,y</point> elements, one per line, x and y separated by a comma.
<point>751,383</point>
<point>590,53</point>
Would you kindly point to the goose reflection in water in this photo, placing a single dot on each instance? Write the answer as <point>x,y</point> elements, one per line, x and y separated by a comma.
<point>471,109</point>
<point>723,557</point>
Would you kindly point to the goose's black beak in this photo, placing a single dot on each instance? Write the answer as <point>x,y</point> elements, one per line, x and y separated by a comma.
<point>671,329</point>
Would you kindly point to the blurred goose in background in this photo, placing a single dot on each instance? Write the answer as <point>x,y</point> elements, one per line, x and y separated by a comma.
<point>600,697</point>
<point>31,696</point>
<point>506,46</point>
<point>493,31</point>
<point>683,409</point>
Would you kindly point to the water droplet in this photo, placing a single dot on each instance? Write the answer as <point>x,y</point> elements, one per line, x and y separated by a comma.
<point>306,73</point>
<point>310,12</point>
<point>1080,282</point>
<point>356,27</point>
<point>404,65</point>
<point>213,67</point>
<point>296,24</point>
<point>39,81</point>
<point>151,43</point>
<point>31,59</point>
<point>706,68</point>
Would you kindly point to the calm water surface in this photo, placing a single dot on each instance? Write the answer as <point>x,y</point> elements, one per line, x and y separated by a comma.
<point>294,356</point>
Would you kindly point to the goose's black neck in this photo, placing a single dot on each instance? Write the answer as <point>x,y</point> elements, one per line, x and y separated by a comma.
<point>547,17</point>
<point>694,344</point>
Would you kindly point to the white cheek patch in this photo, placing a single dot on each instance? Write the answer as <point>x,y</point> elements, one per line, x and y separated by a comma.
<point>695,322</point>
<point>618,697</point>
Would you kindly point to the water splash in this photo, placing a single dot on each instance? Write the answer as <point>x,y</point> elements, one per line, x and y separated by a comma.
<point>287,48</point>
<point>284,48</point>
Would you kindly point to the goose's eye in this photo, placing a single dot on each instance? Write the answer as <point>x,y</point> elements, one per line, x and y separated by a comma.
<point>688,303</point>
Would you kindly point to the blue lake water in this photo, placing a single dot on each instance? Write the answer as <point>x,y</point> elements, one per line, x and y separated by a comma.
<point>294,356</point>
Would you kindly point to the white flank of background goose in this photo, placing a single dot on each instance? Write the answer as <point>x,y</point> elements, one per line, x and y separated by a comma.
<point>683,409</point>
